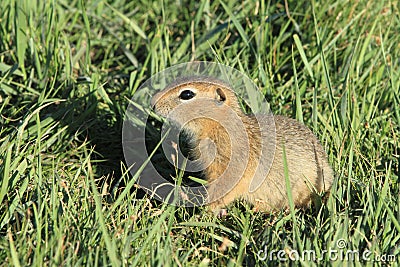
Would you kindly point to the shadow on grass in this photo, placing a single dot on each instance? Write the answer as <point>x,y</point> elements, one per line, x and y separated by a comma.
<point>95,124</point>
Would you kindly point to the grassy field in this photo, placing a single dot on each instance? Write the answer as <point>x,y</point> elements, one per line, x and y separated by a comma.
<point>68,69</point>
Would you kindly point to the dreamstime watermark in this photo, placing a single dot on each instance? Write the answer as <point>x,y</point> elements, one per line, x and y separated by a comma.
<point>340,252</point>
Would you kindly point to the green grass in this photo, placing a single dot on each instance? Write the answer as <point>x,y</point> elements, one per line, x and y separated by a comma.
<point>68,68</point>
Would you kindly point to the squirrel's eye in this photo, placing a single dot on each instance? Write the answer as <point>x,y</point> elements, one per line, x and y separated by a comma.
<point>187,94</point>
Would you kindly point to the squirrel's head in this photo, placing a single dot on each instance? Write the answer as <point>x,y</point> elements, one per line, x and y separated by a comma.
<point>208,110</point>
<point>195,96</point>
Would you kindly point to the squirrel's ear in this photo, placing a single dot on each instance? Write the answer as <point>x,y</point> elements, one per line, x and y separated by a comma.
<point>220,95</point>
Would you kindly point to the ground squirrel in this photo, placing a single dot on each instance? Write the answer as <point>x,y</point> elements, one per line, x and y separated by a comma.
<point>223,137</point>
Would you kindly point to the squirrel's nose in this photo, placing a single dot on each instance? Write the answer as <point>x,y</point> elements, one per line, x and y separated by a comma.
<point>154,99</point>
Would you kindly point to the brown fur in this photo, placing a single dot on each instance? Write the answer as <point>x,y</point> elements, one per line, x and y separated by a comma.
<point>308,167</point>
